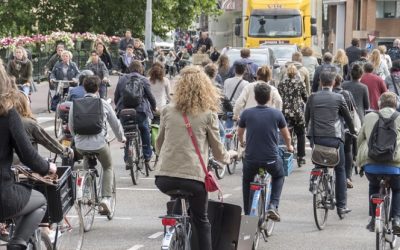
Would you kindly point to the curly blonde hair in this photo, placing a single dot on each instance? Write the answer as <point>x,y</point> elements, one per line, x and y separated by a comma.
<point>21,104</point>
<point>375,58</point>
<point>341,57</point>
<point>195,93</point>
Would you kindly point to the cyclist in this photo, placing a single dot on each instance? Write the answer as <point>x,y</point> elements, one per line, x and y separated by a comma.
<point>126,59</point>
<point>262,124</point>
<point>56,57</point>
<point>326,129</point>
<point>294,95</point>
<point>98,143</point>
<point>65,69</point>
<point>387,106</point>
<point>18,201</point>
<point>160,86</point>
<point>125,42</point>
<point>144,110</point>
<point>21,68</point>
<point>97,66</point>
<point>102,52</point>
<point>139,52</point>
<point>233,86</point>
<point>79,91</point>
<point>180,166</point>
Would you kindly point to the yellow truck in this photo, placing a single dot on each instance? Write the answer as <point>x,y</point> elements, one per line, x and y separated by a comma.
<point>276,22</point>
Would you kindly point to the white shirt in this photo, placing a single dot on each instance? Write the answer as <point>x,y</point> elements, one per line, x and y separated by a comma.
<point>230,85</point>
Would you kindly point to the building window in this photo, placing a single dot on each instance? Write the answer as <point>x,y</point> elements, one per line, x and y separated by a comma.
<point>387,8</point>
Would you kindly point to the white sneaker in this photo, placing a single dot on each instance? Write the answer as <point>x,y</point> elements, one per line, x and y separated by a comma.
<point>105,204</point>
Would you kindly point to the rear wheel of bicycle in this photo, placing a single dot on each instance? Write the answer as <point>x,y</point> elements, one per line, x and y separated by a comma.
<point>380,236</point>
<point>45,242</point>
<point>261,220</point>
<point>135,169</point>
<point>70,230</point>
<point>176,242</point>
<point>113,202</point>
<point>87,204</point>
<point>319,205</point>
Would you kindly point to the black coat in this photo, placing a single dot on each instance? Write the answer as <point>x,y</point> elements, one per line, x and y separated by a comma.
<point>14,196</point>
<point>353,53</point>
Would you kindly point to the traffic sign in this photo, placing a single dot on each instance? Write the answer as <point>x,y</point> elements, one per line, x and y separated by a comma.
<point>371,38</point>
<point>369,46</point>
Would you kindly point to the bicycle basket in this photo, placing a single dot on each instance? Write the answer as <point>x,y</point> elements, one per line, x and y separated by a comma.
<point>287,159</point>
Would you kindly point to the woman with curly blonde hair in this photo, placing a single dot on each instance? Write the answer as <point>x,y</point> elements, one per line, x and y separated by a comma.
<point>380,66</point>
<point>180,167</point>
<point>341,61</point>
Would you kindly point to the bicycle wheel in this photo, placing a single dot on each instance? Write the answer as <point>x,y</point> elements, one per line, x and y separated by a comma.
<point>45,242</point>
<point>230,144</point>
<point>113,199</point>
<point>261,220</point>
<point>49,98</point>
<point>220,169</point>
<point>87,204</point>
<point>380,235</point>
<point>70,230</point>
<point>173,239</point>
<point>57,124</point>
<point>135,169</point>
<point>319,204</point>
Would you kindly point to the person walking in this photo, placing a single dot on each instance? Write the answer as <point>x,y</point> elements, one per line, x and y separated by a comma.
<point>394,52</point>
<point>380,67</point>
<point>233,87</point>
<point>326,64</point>
<point>393,81</point>
<point>309,61</point>
<point>376,86</point>
<point>223,67</point>
<point>160,86</point>
<point>353,52</point>
<point>341,62</point>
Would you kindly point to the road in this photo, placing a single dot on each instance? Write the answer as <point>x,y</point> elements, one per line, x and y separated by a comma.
<point>136,224</point>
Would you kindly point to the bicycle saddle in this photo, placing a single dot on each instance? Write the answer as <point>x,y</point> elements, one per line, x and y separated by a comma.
<point>179,193</point>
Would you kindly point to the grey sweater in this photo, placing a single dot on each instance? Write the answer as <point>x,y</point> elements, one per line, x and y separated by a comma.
<point>360,94</point>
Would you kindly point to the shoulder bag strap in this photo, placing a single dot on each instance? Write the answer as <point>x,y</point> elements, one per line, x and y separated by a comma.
<point>234,91</point>
<point>394,85</point>
<point>194,141</point>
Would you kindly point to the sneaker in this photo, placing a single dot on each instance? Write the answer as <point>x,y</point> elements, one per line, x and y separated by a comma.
<point>349,183</point>
<point>371,225</point>
<point>105,205</point>
<point>273,214</point>
<point>301,161</point>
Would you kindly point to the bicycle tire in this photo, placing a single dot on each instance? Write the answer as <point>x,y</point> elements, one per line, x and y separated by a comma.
<point>261,220</point>
<point>230,143</point>
<point>71,230</point>
<point>87,204</point>
<point>135,171</point>
<point>45,242</point>
<point>113,202</point>
<point>49,98</point>
<point>220,170</point>
<point>319,199</point>
<point>380,237</point>
<point>393,242</point>
<point>57,124</point>
<point>174,239</point>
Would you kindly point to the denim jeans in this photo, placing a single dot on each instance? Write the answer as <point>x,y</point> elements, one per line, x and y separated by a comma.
<point>144,128</point>
<point>198,205</point>
<point>374,189</point>
<point>340,172</point>
<point>250,169</point>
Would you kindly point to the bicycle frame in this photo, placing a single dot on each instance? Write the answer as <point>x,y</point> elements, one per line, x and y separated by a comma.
<point>381,200</point>
<point>264,182</point>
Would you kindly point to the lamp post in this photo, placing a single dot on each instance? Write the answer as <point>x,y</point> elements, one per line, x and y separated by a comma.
<point>148,25</point>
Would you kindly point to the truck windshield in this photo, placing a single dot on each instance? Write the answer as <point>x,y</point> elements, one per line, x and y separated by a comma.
<point>275,26</point>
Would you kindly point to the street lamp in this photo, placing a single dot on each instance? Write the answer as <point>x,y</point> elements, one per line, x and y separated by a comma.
<point>148,25</point>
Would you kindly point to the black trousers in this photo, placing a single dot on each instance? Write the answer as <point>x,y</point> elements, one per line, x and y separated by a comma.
<point>198,204</point>
<point>348,154</point>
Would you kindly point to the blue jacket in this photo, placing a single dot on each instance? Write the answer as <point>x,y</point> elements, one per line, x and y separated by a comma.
<point>76,92</point>
<point>148,104</point>
<point>57,72</point>
<point>253,67</point>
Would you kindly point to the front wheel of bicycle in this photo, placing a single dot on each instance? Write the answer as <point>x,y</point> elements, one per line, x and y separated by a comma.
<point>87,204</point>
<point>319,206</point>
<point>220,170</point>
<point>113,202</point>
<point>231,144</point>
<point>49,98</point>
<point>57,124</point>
<point>70,230</point>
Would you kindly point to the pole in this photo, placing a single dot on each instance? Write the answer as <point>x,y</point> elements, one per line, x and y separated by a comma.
<point>148,26</point>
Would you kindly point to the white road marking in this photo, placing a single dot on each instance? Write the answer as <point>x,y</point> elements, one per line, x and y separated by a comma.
<point>103,217</point>
<point>156,235</point>
<point>139,189</point>
<point>226,196</point>
<point>44,119</point>
<point>136,247</point>
<point>237,188</point>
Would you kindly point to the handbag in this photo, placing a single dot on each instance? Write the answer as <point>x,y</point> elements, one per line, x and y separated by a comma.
<point>323,156</point>
<point>210,180</point>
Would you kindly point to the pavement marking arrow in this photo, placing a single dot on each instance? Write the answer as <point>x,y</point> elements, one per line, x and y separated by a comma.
<point>136,247</point>
<point>156,235</point>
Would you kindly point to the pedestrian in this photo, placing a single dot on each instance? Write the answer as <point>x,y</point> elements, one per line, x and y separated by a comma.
<point>341,62</point>
<point>358,90</point>
<point>161,58</point>
<point>169,64</point>
<point>384,56</point>
<point>353,52</point>
<point>225,49</point>
<point>362,60</point>
<point>197,99</point>
<point>104,55</point>
<point>233,86</point>
<point>393,81</point>
<point>214,55</point>
<point>301,71</point>
<point>324,113</point>
<point>380,67</point>
<point>21,68</point>
<point>294,96</point>
<point>394,52</point>
<point>160,86</point>
<point>309,61</point>
<point>326,64</point>
<point>127,40</point>
<point>247,100</point>
<point>376,86</point>
<point>223,67</point>
<point>252,67</point>
<point>204,40</point>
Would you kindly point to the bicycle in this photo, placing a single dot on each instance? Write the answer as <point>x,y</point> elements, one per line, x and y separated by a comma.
<point>39,240</point>
<point>89,186</point>
<point>231,141</point>
<point>261,187</point>
<point>177,227</point>
<point>62,91</point>
<point>134,158</point>
<point>322,186</point>
<point>383,226</point>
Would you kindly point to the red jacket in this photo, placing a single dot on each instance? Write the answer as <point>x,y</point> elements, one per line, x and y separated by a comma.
<point>376,87</point>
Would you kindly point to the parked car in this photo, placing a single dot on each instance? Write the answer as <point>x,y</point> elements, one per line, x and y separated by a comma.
<point>283,52</point>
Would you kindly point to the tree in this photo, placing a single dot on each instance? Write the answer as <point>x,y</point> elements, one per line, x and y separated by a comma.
<point>20,17</point>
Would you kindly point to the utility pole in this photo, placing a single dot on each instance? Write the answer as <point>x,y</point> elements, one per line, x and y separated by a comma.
<point>148,26</point>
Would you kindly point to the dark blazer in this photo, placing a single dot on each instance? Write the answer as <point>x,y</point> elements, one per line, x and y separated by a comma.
<point>14,196</point>
<point>324,111</point>
<point>58,74</point>
<point>106,58</point>
<point>360,94</point>
<point>353,53</point>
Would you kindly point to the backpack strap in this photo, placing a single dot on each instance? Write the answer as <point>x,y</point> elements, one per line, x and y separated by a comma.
<point>234,91</point>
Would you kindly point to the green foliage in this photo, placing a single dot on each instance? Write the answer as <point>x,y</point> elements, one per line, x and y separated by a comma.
<point>21,17</point>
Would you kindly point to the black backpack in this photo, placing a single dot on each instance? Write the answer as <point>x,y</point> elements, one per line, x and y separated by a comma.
<point>88,116</point>
<point>383,140</point>
<point>248,75</point>
<point>132,95</point>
